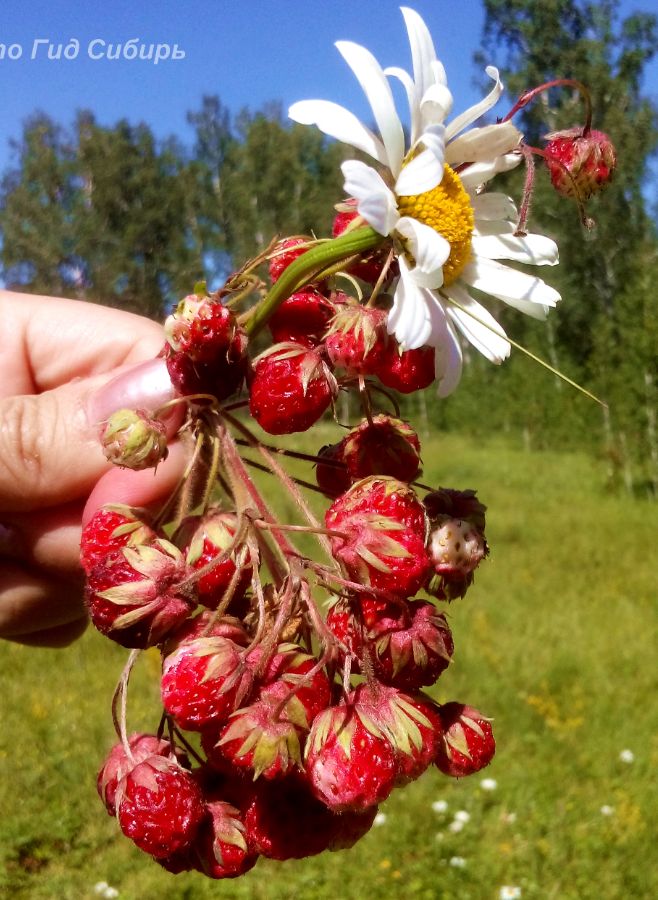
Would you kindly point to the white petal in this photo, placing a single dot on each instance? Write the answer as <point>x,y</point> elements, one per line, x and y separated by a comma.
<point>413,98</point>
<point>448,360</point>
<point>494,206</point>
<point>533,249</point>
<point>478,325</point>
<point>474,112</point>
<point>338,123</point>
<point>509,285</point>
<point>480,172</point>
<point>482,144</point>
<point>375,202</point>
<point>498,227</point>
<point>423,53</point>
<point>422,174</point>
<point>378,91</point>
<point>429,249</point>
<point>410,316</point>
<point>433,138</point>
<point>435,104</point>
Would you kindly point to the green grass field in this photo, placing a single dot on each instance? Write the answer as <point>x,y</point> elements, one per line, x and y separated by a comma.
<point>558,641</point>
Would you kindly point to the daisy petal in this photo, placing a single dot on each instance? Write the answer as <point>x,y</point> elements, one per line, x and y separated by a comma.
<point>435,104</point>
<point>422,174</point>
<point>338,123</point>
<point>497,227</point>
<point>482,144</point>
<point>429,249</point>
<point>410,316</point>
<point>509,285</point>
<point>448,361</point>
<point>481,172</point>
<point>478,325</point>
<point>378,91</point>
<point>423,53</point>
<point>533,249</point>
<point>494,206</point>
<point>412,98</point>
<point>474,112</point>
<point>375,202</point>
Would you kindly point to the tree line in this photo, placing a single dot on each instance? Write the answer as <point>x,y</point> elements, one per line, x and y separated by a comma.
<point>110,214</point>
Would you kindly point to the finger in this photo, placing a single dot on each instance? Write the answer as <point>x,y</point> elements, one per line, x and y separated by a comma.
<point>49,448</point>
<point>29,603</point>
<point>89,339</point>
<point>59,636</point>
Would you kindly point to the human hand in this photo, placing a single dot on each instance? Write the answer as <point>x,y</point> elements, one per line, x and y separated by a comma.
<point>65,366</point>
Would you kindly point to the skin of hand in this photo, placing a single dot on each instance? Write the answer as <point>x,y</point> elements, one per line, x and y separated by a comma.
<point>65,366</point>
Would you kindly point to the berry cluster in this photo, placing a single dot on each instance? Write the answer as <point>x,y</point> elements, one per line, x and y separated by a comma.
<point>282,729</point>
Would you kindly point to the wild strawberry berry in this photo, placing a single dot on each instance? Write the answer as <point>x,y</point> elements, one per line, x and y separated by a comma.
<point>303,318</point>
<point>410,648</point>
<point>580,164</point>
<point>203,680</point>
<point>356,339</point>
<point>206,538</point>
<point>286,252</point>
<point>384,527</point>
<point>424,730</point>
<point>350,761</point>
<point>133,439</point>
<point>132,595</point>
<point>285,821</point>
<point>112,527</point>
<point>206,351</point>
<point>350,618</point>
<point>450,503</point>
<point>207,625</point>
<point>468,743</point>
<point>159,806</point>
<point>220,849</point>
<point>369,267</point>
<point>291,388</point>
<point>382,446</point>
<point>118,764</point>
<point>332,480</point>
<point>457,543</point>
<point>406,371</point>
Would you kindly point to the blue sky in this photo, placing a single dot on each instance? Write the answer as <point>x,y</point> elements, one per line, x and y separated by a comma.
<point>247,52</point>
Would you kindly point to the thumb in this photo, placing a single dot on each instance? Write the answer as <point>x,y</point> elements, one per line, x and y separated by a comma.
<point>49,448</point>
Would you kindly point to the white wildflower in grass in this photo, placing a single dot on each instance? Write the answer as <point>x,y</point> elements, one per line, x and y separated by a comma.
<point>103,889</point>
<point>462,816</point>
<point>100,887</point>
<point>607,810</point>
<point>509,818</point>
<point>428,197</point>
<point>509,892</point>
<point>488,784</point>
<point>380,819</point>
<point>456,826</point>
<point>440,806</point>
<point>627,756</point>
<point>457,862</point>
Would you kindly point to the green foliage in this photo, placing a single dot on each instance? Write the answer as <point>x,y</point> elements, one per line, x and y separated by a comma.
<point>556,641</point>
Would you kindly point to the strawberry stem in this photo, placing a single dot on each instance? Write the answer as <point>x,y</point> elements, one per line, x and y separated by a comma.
<point>529,96</point>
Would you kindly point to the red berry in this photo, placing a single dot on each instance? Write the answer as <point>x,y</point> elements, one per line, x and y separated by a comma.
<point>406,371</point>
<point>468,743</point>
<point>220,849</point>
<point>382,446</point>
<point>112,527</point>
<point>118,764</point>
<point>356,340</point>
<point>291,388</point>
<point>132,595</point>
<point>205,538</point>
<point>580,165</point>
<point>303,317</point>
<point>203,680</point>
<point>159,806</point>
<point>424,730</point>
<point>369,267</point>
<point>333,480</point>
<point>284,253</point>
<point>350,761</point>
<point>385,526</point>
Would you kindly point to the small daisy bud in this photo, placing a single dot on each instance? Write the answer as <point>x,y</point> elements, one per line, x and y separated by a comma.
<point>133,440</point>
<point>580,165</point>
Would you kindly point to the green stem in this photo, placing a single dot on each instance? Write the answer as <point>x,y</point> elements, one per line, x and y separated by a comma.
<point>299,272</point>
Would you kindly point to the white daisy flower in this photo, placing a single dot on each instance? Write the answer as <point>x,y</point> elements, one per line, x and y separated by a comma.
<point>380,819</point>
<point>457,862</point>
<point>440,806</point>
<point>462,816</point>
<point>428,198</point>
<point>488,784</point>
<point>627,756</point>
<point>510,892</point>
<point>607,810</point>
<point>456,826</point>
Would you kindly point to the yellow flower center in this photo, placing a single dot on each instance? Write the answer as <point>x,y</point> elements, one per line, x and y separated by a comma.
<point>447,209</point>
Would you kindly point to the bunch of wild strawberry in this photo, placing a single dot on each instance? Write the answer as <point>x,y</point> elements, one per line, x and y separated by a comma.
<point>283,729</point>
